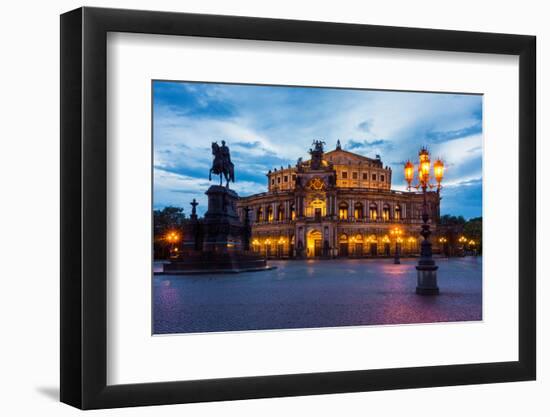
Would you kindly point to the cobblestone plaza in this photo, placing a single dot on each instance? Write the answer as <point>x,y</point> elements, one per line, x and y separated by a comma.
<point>316,293</point>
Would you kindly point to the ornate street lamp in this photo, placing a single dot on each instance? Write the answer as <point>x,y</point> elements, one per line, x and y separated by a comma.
<point>443,244</point>
<point>172,238</point>
<point>462,240</point>
<point>426,268</point>
<point>396,232</point>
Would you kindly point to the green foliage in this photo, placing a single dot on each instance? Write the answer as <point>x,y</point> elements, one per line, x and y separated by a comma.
<point>473,229</point>
<point>447,219</point>
<point>168,218</point>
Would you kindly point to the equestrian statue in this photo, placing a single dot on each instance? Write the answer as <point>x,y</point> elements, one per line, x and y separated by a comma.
<point>222,164</point>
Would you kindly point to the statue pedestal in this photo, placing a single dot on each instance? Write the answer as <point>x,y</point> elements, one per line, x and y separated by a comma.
<point>215,243</point>
<point>222,230</point>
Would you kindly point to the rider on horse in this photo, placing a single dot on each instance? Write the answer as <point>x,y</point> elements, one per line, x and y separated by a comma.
<point>222,164</point>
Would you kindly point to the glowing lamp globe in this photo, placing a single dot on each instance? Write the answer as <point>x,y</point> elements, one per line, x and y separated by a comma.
<point>409,172</point>
<point>424,165</point>
<point>438,170</point>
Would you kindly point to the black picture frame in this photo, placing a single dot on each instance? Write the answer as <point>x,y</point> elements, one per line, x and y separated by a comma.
<point>84,207</point>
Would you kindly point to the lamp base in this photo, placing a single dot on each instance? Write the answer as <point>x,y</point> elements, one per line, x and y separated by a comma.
<point>427,278</point>
<point>427,291</point>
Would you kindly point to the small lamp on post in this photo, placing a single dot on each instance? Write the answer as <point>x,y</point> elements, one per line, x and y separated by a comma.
<point>426,268</point>
<point>396,232</point>
<point>172,238</point>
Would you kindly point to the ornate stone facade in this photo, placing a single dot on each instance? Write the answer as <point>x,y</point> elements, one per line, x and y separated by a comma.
<point>337,203</point>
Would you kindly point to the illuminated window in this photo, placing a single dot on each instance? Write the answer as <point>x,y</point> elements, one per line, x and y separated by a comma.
<point>260,215</point>
<point>292,212</point>
<point>343,211</point>
<point>397,212</point>
<point>280,213</point>
<point>386,212</point>
<point>373,212</point>
<point>270,214</point>
<point>358,211</point>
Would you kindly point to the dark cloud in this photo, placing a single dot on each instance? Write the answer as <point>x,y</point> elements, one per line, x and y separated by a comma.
<point>444,136</point>
<point>365,125</point>
<point>463,199</point>
<point>354,144</point>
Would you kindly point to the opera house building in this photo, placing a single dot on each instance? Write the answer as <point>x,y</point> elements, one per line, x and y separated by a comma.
<point>336,204</point>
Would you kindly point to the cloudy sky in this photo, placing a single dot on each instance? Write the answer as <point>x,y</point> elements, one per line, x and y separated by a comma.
<point>270,126</point>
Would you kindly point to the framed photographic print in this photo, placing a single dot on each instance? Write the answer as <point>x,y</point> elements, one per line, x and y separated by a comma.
<point>259,207</point>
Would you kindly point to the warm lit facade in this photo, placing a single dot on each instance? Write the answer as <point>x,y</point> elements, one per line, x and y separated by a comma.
<point>336,204</point>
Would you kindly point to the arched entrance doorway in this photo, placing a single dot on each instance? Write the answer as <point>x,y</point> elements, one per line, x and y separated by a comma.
<point>343,245</point>
<point>314,244</point>
<point>357,241</point>
<point>373,245</point>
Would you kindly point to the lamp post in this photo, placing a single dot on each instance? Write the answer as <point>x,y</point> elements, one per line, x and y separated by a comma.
<point>426,268</point>
<point>396,232</point>
<point>462,240</point>
<point>443,242</point>
<point>172,238</point>
<point>472,246</point>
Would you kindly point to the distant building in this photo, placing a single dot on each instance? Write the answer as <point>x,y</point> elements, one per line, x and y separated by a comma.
<point>337,203</point>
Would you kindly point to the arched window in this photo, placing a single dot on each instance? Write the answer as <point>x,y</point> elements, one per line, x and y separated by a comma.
<point>373,211</point>
<point>292,212</point>
<point>270,213</point>
<point>358,211</point>
<point>386,212</point>
<point>397,212</point>
<point>343,211</point>
<point>281,212</point>
<point>260,215</point>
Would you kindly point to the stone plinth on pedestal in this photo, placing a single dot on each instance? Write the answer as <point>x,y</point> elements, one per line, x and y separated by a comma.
<point>216,243</point>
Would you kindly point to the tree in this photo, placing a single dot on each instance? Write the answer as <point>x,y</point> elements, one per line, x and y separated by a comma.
<point>473,230</point>
<point>449,220</point>
<point>168,219</point>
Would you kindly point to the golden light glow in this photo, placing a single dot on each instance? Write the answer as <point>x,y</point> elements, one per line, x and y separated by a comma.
<point>424,165</point>
<point>267,241</point>
<point>462,239</point>
<point>412,240</point>
<point>438,170</point>
<point>386,239</point>
<point>409,172</point>
<point>399,240</point>
<point>372,239</point>
<point>255,242</point>
<point>442,240</point>
<point>396,231</point>
<point>172,237</point>
<point>281,241</point>
<point>472,242</point>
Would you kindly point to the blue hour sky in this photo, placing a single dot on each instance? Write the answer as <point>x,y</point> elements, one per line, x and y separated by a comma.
<point>272,126</point>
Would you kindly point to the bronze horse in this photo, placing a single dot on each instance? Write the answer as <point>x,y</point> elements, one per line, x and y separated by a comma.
<point>222,164</point>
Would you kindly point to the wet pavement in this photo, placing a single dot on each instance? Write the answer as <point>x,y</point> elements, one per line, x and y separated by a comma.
<point>316,293</point>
